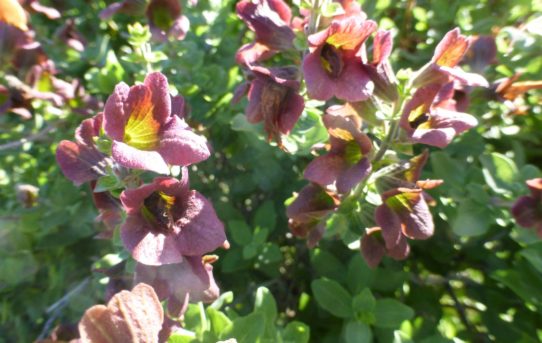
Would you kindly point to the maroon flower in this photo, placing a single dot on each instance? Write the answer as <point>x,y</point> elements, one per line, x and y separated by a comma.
<point>443,66</point>
<point>308,211</point>
<point>430,117</point>
<point>333,66</point>
<point>69,35</point>
<point>191,280</point>
<point>347,162</point>
<point>374,249</point>
<point>482,52</point>
<point>527,209</point>
<point>166,20</point>
<point>270,20</point>
<point>166,221</point>
<point>379,70</point>
<point>273,98</point>
<point>134,316</point>
<point>146,135</point>
<point>80,161</point>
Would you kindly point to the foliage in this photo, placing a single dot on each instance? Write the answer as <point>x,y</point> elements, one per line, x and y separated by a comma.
<point>476,279</point>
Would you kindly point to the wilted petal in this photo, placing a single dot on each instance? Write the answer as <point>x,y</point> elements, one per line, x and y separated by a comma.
<point>181,146</point>
<point>134,316</point>
<point>292,110</point>
<point>251,53</point>
<point>390,225</point>
<point>372,249</point>
<point>312,203</point>
<point>201,230</point>
<point>400,251</point>
<point>131,157</point>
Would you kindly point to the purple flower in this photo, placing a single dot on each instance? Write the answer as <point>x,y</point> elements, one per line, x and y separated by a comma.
<point>69,35</point>
<point>80,161</point>
<point>166,20</point>
<point>189,281</point>
<point>443,66</point>
<point>527,209</point>
<point>270,21</point>
<point>109,209</point>
<point>134,316</point>
<point>482,52</point>
<point>273,98</point>
<point>431,118</point>
<point>145,133</point>
<point>347,162</point>
<point>333,66</point>
<point>166,221</point>
<point>307,212</point>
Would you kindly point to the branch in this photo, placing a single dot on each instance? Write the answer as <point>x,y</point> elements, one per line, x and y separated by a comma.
<point>31,138</point>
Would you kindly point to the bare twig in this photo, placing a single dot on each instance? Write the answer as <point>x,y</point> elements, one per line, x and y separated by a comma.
<point>30,138</point>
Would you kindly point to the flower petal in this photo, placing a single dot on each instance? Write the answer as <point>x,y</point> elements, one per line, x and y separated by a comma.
<point>131,157</point>
<point>147,247</point>
<point>115,115</point>
<point>390,225</point>
<point>161,100</point>
<point>324,170</point>
<point>181,146</point>
<point>201,230</point>
<point>354,84</point>
<point>80,163</point>
<point>353,175</point>
<point>319,85</point>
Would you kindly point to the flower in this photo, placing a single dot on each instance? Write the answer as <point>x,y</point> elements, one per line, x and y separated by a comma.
<point>379,70</point>
<point>430,117</point>
<point>145,133</point>
<point>191,280</point>
<point>80,161</point>
<point>404,213</point>
<point>443,66</point>
<point>166,221</point>
<point>481,53</point>
<point>273,98</point>
<point>373,250</point>
<point>333,66</point>
<point>307,212</point>
<point>134,316</point>
<point>527,210</point>
<point>347,162</point>
<point>166,20</point>
<point>129,7</point>
<point>270,21</point>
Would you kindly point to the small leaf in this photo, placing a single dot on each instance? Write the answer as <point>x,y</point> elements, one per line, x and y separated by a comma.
<point>331,9</point>
<point>356,332</point>
<point>499,171</point>
<point>296,332</point>
<point>239,232</point>
<point>265,304</point>
<point>246,329</point>
<point>265,216</point>
<point>219,321</point>
<point>390,313</point>
<point>533,254</point>
<point>363,305</point>
<point>331,296</point>
<point>472,219</point>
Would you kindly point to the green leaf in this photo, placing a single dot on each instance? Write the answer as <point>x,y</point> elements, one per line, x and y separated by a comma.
<point>248,329</point>
<point>296,332</point>
<point>219,321</point>
<point>447,169</point>
<point>533,254</point>
<point>359,275</point>
<point>390,313</point>
<point>239,232</point>
<point>106,183</point>
<point>472,219</point>
<point>499,171</point>
<point>265,216</point>
<point>182,337</point>
<point>331,9</point>
<point>363,305</point>
<point>265,304</point>
<point>331,296</point>
<point>327,265</point>
<point>356,332</point>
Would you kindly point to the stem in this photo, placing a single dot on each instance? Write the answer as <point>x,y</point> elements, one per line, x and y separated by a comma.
<point>30,138</point>
<point>315,17</point>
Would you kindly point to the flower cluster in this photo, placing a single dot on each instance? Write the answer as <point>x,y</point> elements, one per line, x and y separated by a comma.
<point>166,226</point>
<point>30,74</point>
<point>368,112</point>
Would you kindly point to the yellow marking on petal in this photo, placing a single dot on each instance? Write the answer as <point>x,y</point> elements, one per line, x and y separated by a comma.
<point>13,14</point>
<point>141,131</point>
<point>343,134</point>
<point>418,118</point>
<point>352,153</point>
